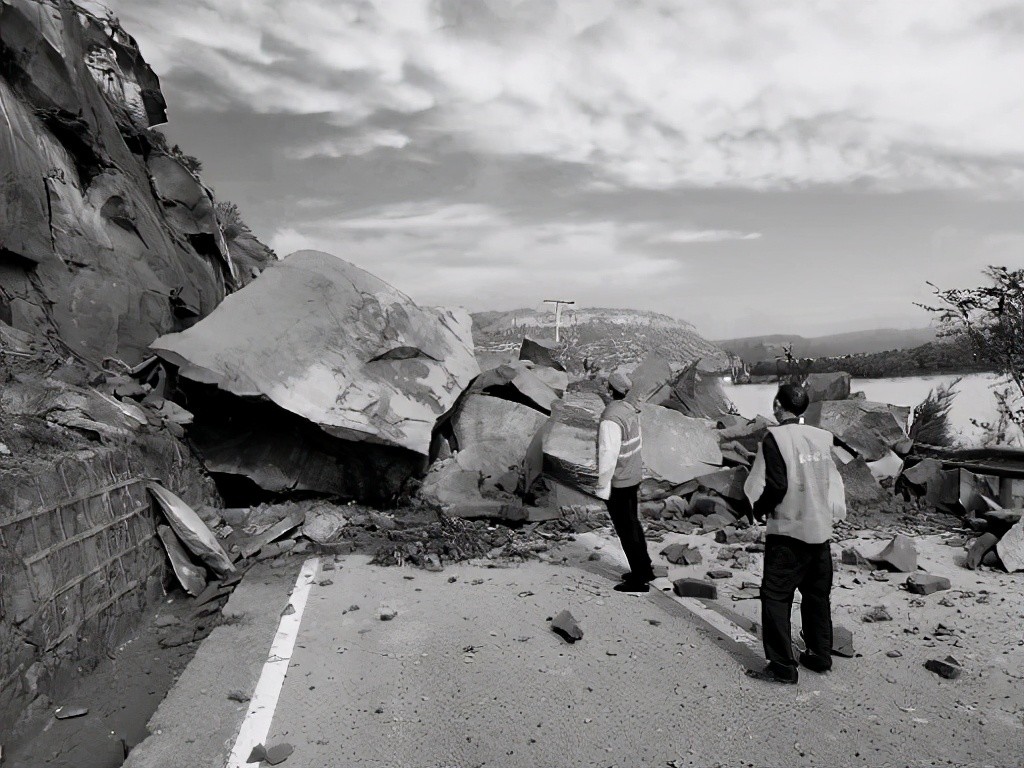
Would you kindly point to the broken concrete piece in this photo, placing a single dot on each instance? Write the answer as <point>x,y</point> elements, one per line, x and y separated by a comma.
<point>1011,548</point>
<point>719,573</point>
<point>948,668</point>
<point>566,627</point>
<point>899,554</point>
<point>979,548</point>
<point>688,587</point>
<point>926,583</point>
<point>191,576</point>
<point>660,571</point>
<point>192,531</point>
<point>682,554</point>
<point>336,346</point>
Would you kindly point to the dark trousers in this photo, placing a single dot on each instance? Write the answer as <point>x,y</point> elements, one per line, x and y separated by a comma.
<point>622,507</point>
<point>791,564</point>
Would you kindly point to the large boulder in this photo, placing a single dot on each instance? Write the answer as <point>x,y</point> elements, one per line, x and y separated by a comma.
<point>858,481</point>
<point>498,431</point>
<point>541,352</point>
<point>676,448</point>
<point>331,343</point>
<point>699,395</point>
<point>1011,548</point>
<point>650,380</point>
<point>568,442</point>
<point>827,386</point>
<point>458,488</point>
<point>871,429</point>
<point>522,382</point>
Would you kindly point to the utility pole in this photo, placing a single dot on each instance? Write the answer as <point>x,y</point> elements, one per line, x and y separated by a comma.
<point>559,303</point>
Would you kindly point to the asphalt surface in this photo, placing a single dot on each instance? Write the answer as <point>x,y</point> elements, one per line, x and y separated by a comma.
<point>469,673</point>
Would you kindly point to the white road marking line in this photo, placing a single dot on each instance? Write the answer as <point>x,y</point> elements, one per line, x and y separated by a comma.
<point>256,724</point>
<point>709,616</point>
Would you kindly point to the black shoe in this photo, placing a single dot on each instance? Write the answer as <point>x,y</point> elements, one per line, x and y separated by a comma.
<point>815,663</point>
<point>772,674</point>
<point>632,586</point>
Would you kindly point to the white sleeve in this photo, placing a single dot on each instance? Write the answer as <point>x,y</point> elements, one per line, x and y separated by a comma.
<point>609,442</point>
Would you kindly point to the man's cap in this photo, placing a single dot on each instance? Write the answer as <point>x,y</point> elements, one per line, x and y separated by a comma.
<point>620,383</point>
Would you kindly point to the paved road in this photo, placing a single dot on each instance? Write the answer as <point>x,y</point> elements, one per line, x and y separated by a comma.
<point>468,673</point>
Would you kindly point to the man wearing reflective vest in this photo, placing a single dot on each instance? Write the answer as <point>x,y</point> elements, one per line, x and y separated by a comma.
<point>619,471</point>
<point>795,485</point>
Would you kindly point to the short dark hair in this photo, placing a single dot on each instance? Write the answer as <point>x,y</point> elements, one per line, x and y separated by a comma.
<point>793,398</point>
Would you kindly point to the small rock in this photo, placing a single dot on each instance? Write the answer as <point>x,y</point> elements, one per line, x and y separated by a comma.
<point>726,553</point>
<point>851,556</point>
<point>926,583</point>
<point>239,696</point>
<point>894,654</point>
<point>877,613</point>
<point>682,554</point>
<point>325,582</point>
<point>720,573</point>
<point>166,620</point>
<point>980,547</point>
<point>69,711</point>
<point>278,753</point>
<point>695,588</point>
<point>660,571</point>
<point>387,613</point>
<point>899,554</point>
<point>842,641</point>
<point>948,668</point>
<point>727,535</point>
<point>566,627</point>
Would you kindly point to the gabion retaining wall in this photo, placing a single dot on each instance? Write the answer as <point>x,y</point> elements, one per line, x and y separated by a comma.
<point>79,559</point>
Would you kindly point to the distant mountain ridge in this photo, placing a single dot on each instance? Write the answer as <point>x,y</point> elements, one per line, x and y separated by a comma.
<point>754,349</point>
<point>602,337</point>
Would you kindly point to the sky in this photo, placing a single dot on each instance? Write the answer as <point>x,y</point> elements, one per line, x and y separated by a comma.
<point>792,166</point>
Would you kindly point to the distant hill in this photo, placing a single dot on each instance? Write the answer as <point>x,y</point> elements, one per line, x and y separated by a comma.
<point>606,338</point>
<point>755,349</point>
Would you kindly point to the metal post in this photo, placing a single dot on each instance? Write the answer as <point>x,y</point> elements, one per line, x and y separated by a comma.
<point>558,313</point>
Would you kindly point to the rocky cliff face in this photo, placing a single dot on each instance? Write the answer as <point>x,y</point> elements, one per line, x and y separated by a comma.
<point>107,239</point>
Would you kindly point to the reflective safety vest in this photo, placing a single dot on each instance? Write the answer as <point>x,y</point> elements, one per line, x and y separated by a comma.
<point>629,468</point>
<point>815,495</point>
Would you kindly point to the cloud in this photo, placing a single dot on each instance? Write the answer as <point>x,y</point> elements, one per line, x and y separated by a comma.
<point>654,94</point>
<point>481,257</point>
<point>703,236</point>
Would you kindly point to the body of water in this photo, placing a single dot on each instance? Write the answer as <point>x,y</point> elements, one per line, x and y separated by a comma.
<point>974,399</point>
